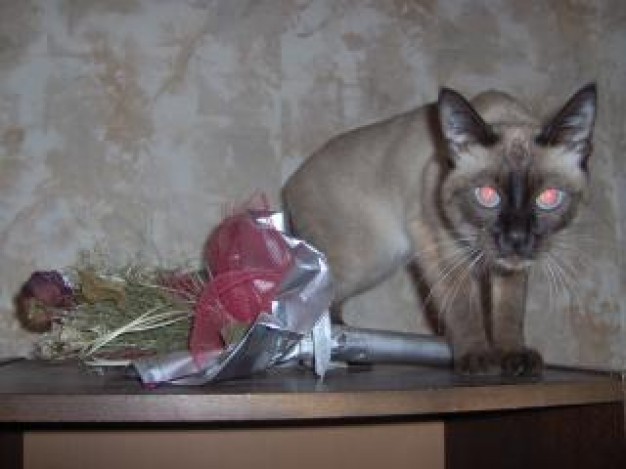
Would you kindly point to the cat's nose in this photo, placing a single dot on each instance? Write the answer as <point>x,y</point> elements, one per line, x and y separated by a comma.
<point>517,238</point>
<point>514,241</point>
<point>520,242</point>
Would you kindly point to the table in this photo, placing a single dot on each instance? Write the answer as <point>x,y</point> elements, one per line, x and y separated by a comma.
<point>66,415</point>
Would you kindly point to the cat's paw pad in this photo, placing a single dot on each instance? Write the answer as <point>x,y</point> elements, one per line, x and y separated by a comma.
<point>481,362</point>
<point>523,362</point>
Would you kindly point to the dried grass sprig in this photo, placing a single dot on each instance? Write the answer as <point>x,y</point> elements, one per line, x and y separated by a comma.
<point>146,322</point>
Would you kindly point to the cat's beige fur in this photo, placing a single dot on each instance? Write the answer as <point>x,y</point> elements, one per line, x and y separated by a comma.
<point>401,191</point>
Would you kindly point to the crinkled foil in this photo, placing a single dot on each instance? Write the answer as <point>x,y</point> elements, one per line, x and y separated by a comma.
<point>304,297</point>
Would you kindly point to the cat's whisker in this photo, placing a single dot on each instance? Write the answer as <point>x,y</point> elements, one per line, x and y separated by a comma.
<point>573,252</point>
<point>570,271</point>
<point>561,280</point>
<point>455,262</point>
<point>459,281</point>
<point>584,242</point>
<point>458,260</point>
<point>440,245</point>
<point>433,291</point>
<point>568,282</point>
<point>556,281</point>
<point>438,290</point>
<point>576,254</point>
<point>546,270</point>
<point>460,284</point>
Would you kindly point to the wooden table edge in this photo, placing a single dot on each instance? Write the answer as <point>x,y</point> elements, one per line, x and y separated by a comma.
<point>250,407</point>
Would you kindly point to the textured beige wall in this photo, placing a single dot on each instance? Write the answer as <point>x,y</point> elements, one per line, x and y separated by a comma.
<point>127,125</point>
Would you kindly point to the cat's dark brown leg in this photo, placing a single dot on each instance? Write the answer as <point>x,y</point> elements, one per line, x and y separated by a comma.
<point>466,334</point>
<point>508,311</point>
<point>451,286</point>
<point>459,303</point>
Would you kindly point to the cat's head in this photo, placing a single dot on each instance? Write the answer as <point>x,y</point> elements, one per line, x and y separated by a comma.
<point>513,181</point>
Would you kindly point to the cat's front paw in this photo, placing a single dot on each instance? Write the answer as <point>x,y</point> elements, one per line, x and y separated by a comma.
<point>480,362</point>
<point>520,362</point>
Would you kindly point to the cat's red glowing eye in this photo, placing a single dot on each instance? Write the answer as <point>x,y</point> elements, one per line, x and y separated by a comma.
<point>550,199</point>
<point>487,196</point>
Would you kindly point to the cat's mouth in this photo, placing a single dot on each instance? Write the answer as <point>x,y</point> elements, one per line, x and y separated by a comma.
<point>513,263</point>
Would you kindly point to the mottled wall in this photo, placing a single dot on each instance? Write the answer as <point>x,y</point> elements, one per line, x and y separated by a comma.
<point>127,125</point>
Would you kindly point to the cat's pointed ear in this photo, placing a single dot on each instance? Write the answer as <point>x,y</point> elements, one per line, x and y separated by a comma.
<point>460,123</point>
<point>573,124</point>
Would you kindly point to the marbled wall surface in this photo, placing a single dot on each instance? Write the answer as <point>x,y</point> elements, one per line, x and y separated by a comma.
<point>126,126</point>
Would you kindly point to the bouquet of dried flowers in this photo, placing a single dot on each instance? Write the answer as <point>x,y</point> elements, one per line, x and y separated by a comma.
<point>115,316</point>
<point>109,316</point>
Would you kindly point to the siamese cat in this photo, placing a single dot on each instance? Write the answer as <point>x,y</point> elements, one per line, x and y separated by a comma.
<point>473,193</point>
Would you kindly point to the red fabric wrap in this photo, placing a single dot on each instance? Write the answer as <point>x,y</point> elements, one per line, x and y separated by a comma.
<point>246,262</point>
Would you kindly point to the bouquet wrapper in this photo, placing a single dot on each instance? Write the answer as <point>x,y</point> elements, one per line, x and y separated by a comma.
<point>302,298</point>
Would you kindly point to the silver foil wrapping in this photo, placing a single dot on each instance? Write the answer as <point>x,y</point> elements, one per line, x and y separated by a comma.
<point>303,298</point>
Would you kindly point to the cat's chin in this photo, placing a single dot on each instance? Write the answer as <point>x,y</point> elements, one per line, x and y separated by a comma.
<point>513,263</point>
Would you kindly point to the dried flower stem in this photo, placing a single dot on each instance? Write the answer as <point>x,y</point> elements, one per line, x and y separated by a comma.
<point>147,321</point>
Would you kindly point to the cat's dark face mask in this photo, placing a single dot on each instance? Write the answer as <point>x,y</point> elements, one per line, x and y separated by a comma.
<point>512,185</point>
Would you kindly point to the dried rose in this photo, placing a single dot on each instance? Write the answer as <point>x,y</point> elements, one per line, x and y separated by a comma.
<point>42,298</point>
<point>50,288</point>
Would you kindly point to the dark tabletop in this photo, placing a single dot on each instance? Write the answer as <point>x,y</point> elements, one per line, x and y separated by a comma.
<point>32,391</point>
